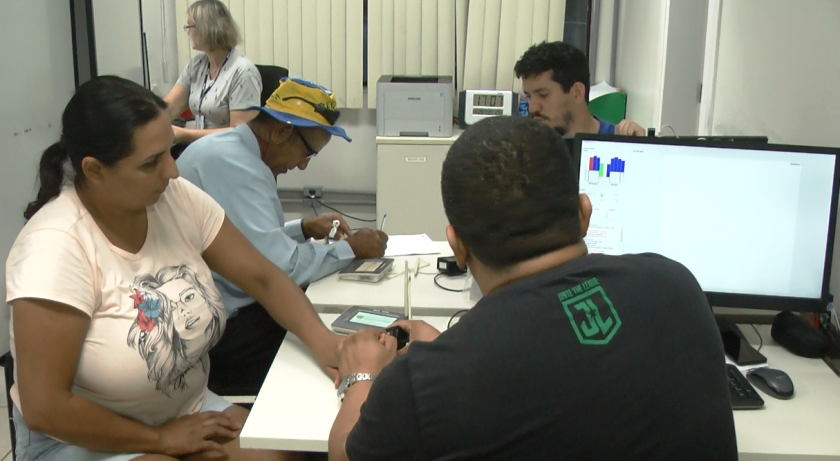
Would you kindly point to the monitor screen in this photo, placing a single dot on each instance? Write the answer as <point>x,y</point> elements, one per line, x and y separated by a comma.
<point>754,221</point>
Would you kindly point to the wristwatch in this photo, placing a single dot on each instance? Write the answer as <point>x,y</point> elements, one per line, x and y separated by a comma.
<point>350,380</point>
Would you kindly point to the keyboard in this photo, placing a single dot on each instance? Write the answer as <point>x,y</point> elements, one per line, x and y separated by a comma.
<point>741,393</point>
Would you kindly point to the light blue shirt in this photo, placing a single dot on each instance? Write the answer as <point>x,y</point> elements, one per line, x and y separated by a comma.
<point>228,166</point>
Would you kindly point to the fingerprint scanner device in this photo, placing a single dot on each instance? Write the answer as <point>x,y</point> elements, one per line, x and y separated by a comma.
<point>367,270</point>
<point>358,317</point>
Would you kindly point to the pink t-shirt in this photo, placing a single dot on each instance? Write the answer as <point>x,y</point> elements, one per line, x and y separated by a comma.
<point>154,314</point>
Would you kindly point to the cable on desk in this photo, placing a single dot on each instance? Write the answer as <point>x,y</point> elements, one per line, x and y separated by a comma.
<point>313,207</point>
<point>394,275</point>
<point>449,323</point>
<point>342,213</point>
<point>443,287</point>
<point>760,340</point>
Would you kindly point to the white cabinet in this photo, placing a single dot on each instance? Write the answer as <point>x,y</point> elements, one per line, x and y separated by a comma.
<point>408,184</point>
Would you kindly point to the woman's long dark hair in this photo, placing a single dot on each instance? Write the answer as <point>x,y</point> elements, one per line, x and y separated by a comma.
<point>99,122</point>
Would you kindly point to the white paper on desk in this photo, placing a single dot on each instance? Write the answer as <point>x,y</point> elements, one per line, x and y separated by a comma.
<point>407,245</point>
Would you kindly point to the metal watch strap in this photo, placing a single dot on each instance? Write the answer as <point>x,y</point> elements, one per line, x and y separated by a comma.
<point>350,380</point>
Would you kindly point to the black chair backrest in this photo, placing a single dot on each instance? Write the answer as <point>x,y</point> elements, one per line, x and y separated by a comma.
<point>271,76</point>
<point>8,365</point>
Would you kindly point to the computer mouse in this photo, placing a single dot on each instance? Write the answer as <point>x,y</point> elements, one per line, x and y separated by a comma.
<point>773,382</point>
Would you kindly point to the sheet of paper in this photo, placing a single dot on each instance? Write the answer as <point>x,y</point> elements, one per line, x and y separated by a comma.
<point>407,245</point>
<point>601,89</point>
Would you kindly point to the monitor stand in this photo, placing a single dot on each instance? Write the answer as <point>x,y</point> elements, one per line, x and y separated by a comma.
<point>735,344</point>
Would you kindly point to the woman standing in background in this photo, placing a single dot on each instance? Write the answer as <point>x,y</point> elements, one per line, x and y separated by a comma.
<point>218,84</point>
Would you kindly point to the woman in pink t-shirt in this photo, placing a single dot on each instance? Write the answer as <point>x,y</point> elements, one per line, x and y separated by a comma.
<point>114,308</point>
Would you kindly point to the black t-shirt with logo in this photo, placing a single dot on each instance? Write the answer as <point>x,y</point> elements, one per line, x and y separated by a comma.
<point>602,358</point>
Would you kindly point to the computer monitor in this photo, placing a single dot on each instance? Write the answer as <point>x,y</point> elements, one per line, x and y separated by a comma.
<point>754,223</point>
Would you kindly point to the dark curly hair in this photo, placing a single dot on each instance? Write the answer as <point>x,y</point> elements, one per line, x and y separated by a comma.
<point>566,63</point>
<point>510,191</point>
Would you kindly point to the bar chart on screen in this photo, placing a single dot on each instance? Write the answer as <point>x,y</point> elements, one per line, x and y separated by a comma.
<point>612,172</point>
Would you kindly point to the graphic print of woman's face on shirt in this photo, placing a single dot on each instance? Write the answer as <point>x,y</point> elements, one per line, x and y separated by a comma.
<point>190,315</point>
<point>178,320</point>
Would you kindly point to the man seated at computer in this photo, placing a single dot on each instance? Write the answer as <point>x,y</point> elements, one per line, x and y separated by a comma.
<point>568,355</point>
<point>555,79</point>
<point>238,168</point>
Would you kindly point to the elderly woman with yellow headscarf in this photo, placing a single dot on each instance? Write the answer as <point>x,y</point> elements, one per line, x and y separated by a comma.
<point>218,85</point>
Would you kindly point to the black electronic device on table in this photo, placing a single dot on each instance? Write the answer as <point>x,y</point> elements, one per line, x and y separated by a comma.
<point>742,394</point>
<point>736,346</point>
<point>399,334</point>
<point>358,317</point>
<point>367,270</point>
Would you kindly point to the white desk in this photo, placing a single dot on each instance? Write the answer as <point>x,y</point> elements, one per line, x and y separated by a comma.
<point>297,405</point>
<point>804,427</point>
<point>331,295</point>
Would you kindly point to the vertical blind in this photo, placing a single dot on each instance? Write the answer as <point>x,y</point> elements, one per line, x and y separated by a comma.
<point>410,37</point>
<point>499,31</point>
<point>320,40</point>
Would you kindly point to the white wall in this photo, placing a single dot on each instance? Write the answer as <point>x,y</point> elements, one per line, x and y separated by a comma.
<point>683,66</point>
<point>659,61</point>
<point>118,39</point>
<point>342,165</point>
<point>161,29</point>
<point>778,71</point>
<point>604,52</point>
<point>639,58</point>
<point>34,92</point>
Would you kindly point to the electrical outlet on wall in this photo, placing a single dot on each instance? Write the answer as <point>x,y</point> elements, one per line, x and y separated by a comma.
<point>310,192</point>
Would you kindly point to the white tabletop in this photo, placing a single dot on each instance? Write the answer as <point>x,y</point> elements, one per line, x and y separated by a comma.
<point>297,405</point>
<point>331,295</point>
<point>804,427</point>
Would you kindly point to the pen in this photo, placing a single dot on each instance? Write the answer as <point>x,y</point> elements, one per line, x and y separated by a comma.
<point>334,230</point>
<point>382,224</point>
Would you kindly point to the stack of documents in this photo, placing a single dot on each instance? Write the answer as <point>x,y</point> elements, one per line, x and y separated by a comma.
<point>407,245</point>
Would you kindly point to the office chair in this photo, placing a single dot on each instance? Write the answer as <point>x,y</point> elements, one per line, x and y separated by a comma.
<point>9,371</point>
<point>271,76</point>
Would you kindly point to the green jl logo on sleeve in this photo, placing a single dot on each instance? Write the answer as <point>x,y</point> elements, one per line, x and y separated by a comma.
<point>591,312</point>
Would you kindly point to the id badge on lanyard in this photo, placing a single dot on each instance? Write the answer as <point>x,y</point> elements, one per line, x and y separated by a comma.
<point>199,118</point>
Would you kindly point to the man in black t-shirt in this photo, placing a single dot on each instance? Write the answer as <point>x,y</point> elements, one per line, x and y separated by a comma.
<point>568,356</point>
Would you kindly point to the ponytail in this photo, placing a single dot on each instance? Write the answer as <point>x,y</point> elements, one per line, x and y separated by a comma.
<point>98,122</point>
<point>51,176</point>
